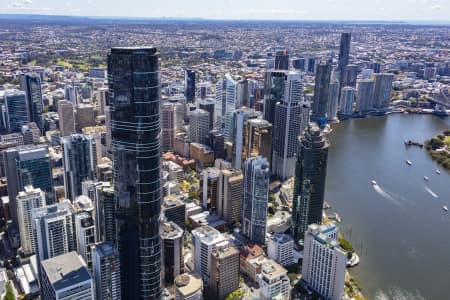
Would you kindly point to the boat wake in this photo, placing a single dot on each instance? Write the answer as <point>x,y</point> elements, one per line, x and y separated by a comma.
<point>398,294</point>
<point>386,195</point>
<point>430,191</point>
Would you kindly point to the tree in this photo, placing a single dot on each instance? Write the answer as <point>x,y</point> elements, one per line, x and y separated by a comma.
<point>9,292</point>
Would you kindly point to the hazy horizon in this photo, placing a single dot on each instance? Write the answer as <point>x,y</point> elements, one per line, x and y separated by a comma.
<point>284,10</point>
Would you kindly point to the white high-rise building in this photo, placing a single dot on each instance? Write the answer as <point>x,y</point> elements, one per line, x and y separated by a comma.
<point>274,282</point>
<point>226,97</point>
<point>333,99</point>
<point>85,228</point>
<point>66,277</point>
<point>291,119</point>
<point>347,99</point>
<point>364,96</point>
<point>54,231</point>
<point>281,249</point>
<point>199,126</point>
<point>205,239</point>
<point>324,261</point>
<point>28,200</point>
<point>106,271</point>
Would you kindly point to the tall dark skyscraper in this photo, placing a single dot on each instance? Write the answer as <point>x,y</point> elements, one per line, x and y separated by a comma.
<point>189,81</point>
<point>309,187</point>
<point>282,60</point>
<point>273,93</point>
<point>31,85</point>
<point>321,92</point>
<point>134,89</point>
<point>344,50</point>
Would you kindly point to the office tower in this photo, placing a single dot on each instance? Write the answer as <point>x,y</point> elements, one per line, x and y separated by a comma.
<point>199,126</point>
<point>333,99</point>
<point>188,287</point>
<point>27,200</point>
<point>291,119</point>
<point>376,67</point>
<point>135,128</point>
<point>257,140</point>
<point>172,254</point>
<point>78,161</point>
<point>204,240</point>
<point>54,230</point>
<point>344,50</point>
<point>382,91</point>
<point>172,115</point>
<point>31,85</point>
<point>309,186</point>
<point>273,281</point>
<point>224,272</point>
<point>175,211</point>
<point>240,118</point>
<point>311,64</point>
<point>106,271</point>
<point>324,262</point>
<point>97,73</point>
<point>31,133</point>
<point>208,105</point>
<point>27,165</point>
<point>209,186</point>
<point>226,95</point>
<point>85,116</point>
<point>281,249</point>
<point>364,96</point>
<point>189,83</point>
<point>85,228</point>
<point>66,118</point>
<point>106,215</point>
<point>256,193</point>
<point>16,110</point>
<point>282,60</point>
<point>321,92</point>
<point>349,75</point>
<point>72,93</point>
<point>217,142</point>
<point>242,93</point>
<point>274,83</point>
<point>66,277</point>
<point>299,64</point>
<point>347,99</point>
<point>229,196</point>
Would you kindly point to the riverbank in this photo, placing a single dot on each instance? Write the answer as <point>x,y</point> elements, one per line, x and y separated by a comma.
<point>439,149</point>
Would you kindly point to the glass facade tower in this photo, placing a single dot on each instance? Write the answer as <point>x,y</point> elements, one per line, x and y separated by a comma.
<point>134,86</point>
<point>309,187</point>
<point>256,192</point>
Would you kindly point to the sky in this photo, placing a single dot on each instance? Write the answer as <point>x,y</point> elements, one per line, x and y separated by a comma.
<point>389,10</point>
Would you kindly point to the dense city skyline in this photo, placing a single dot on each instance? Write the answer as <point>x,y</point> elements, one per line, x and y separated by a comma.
<point>229,160</point>
<point>380,10</point>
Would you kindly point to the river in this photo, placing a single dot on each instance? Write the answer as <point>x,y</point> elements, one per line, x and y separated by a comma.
<point>399,228</point>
